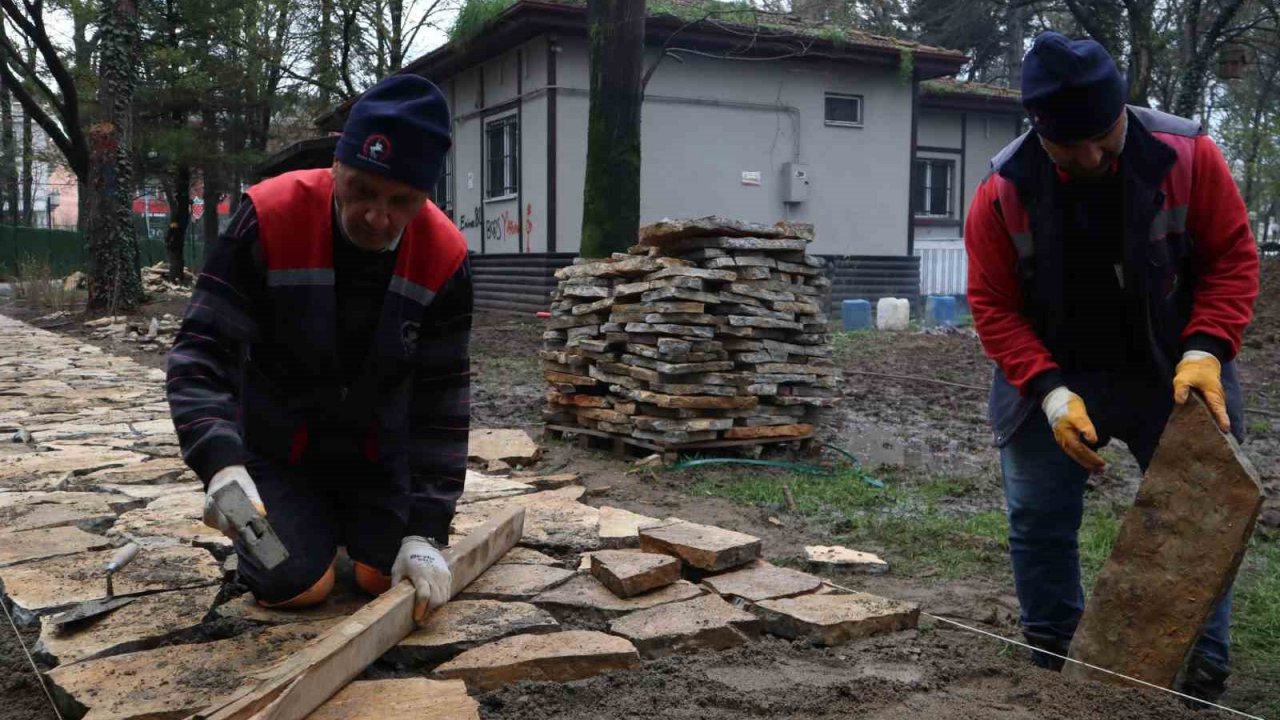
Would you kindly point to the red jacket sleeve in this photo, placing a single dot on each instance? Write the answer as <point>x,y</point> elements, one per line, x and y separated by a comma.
<point>995,299</point>
<point>1225,256</point>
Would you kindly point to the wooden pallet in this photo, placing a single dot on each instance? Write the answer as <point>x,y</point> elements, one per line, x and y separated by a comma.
<point>626,446</point>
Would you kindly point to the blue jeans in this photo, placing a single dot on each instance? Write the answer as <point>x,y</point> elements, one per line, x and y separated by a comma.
<point>1044,492</point>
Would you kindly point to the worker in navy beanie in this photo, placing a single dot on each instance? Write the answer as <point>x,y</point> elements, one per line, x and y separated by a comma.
<point>1112,272</point>
<point>323,362</point>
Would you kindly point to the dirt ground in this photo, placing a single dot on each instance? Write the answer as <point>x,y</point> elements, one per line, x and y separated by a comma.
<point>903,429</point>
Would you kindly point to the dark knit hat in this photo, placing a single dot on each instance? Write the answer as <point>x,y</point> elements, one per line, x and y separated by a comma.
<point>398,128</point>
<point>1071,88</point>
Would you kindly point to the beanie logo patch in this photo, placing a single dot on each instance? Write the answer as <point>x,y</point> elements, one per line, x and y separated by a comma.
<point>376,149</point>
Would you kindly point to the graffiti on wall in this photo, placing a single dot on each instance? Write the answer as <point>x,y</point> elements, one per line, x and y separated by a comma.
<point>502,228</point>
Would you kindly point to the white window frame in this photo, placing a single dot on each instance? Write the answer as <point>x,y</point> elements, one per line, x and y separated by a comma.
<point>926,178</point>
<point>862,109</point>
<point>511,149</point>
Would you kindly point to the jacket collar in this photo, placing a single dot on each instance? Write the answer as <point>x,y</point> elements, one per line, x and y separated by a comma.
<point>1144,155</point>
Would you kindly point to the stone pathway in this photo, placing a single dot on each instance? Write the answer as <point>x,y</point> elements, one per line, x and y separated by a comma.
<point>94,464</point>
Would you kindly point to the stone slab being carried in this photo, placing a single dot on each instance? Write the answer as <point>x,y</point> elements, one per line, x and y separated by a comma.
<point>554,657</point>
<point>463,624</point>
<point>704,623</point>
<point>835,619</point>
<point>704,547</point>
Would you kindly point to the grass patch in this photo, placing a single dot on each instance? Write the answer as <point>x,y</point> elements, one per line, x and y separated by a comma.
<point>36,284</point>
<point>1255,622</point>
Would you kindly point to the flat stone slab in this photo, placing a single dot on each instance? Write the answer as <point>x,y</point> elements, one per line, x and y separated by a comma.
<point>514,582</point>
<point>553,519</point>
<point>705,623</point>
<point>628,574</point>
<point>555,657</point>
<point>701,546</point>
<point>479,487</point>
<point>526,556</point>
<point>344,600</point>
<point>31,545</point>
<point>400,699</point>
<point>667,231</point>
<point>460,625</point>
<point>36,510</point>
<point>19,469</point>
<point>837,557</point>
<point>147,493</point>
<point>585,594</point>
<point>621,528</point>
<point>835,619</point>
<point>172,682</point>
<point>513,447</point>
<point>1177,553</point>
<point>156,471</point>
<point>176,519</point>
<point>763,581</point>
<point>148,621</point>
<point>42,586</point>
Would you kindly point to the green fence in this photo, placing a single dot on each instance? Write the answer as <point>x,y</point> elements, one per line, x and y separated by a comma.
<point>64,251</point>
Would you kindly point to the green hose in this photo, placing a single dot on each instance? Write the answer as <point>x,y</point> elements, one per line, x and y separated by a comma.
<point>794,467</point>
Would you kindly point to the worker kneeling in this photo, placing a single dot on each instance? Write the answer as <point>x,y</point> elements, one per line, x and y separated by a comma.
<point>323,362</point>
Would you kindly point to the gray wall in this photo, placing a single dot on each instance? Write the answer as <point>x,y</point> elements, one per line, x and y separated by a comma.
<point>939,136</point>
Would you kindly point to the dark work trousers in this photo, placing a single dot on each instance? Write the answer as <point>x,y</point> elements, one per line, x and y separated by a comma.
<point>333,497</point>
<point>1044,493</point>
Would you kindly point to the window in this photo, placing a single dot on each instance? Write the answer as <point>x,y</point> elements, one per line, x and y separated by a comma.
<point>844,110</point>
<point>933,191</point>
<point>502,148</point>
<point>444,185</point>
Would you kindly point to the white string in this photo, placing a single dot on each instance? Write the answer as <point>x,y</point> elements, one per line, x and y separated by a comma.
<point>1011,641</point>
<point>34,668</point>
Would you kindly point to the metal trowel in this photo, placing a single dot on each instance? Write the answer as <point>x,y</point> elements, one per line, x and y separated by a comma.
<point>94,608</point>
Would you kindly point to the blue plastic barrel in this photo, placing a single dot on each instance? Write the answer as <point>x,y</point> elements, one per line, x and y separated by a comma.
<point>940,311</point>
<point>856,314</point>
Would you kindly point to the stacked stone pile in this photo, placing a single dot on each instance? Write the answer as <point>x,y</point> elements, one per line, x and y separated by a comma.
<point>709,329</point>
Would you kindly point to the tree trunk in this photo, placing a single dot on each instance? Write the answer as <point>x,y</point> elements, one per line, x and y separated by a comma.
<point>179,219</point>
<point>210,218</point>
<point>8,155</point>
<point>28,212</point>
<point>1256,133</point>
<point>115,283</point>
<point>1203,49</point>
<point>611,197</point>
<point>1017,32</point>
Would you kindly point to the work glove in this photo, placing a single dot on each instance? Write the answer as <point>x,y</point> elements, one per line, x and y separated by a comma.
<point>1202,371</point>
<point>1070,422</point>
<point>213,516</point>
<point>426,568</point>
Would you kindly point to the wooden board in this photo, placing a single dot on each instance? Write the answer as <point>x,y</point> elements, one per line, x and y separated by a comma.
<point>310,677</point>
<point>1177,553</point>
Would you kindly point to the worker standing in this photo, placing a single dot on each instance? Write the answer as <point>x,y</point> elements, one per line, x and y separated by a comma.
<point>323,362</point>
<point>1111,272</point>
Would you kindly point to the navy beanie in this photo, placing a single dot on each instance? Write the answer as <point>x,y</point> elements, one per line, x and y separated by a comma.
<point>1071,88</point>
<point>399,129</point>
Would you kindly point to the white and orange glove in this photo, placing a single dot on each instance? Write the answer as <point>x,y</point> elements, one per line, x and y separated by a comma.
<point>1201,371</point>
<point>1072,428</point>
<point>426,568</point>
<point>213,517</point>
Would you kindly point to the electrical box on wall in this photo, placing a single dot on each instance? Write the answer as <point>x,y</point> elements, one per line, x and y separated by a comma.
<point>795,182</point>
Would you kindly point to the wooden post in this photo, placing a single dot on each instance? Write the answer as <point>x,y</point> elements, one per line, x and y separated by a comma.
<point>611,197</point>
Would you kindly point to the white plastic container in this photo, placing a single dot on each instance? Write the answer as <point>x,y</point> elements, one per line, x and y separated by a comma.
<point>893,314</point>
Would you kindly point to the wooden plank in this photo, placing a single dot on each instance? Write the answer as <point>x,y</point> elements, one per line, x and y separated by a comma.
<point>310,677</point>
<point>1177,553</point>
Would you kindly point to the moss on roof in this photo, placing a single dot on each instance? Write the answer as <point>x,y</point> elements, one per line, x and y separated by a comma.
<point>951,86</point>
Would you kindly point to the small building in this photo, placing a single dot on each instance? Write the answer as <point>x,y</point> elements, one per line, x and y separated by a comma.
<point>764,122</point>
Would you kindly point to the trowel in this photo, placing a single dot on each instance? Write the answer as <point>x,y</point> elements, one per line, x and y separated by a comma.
<point>94,608</point>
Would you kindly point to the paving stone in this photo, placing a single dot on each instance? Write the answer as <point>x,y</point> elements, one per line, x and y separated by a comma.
<point>176,519</point>
<point>584,560</point>
<point>621,528</point>
<point>701,546</point>
<point>824,619</point>
<point>480,486</point>
<point>44,585</point>
<point>155,471</point>
<point>628,574</point>
<point>553,519</point>
<point>667,231</point>
<point>587,599</point>
<point>149,621</point>
<point>31,545</point>
<point>555,657</point>
<point>147,493</point>
<point>836,557</point>
<point>400,699</point>
<point>36,510</point>
<point>1177,553</point>
<point>763,581</point>
<point>705,623</point>
<point>15,470</point>
<point>345,599</point>
<point>515,582</point>
<point>513,447</point>
<point>172,682</point>
<point>460,625</point>
<point>526,556</point>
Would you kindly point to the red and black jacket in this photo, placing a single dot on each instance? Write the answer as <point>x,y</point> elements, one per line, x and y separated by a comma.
<point>256,366</point>
<point>1188,253</point>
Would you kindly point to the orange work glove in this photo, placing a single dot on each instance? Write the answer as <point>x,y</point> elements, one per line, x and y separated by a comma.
<point>1070,422</point>
<point>1202,371</point>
